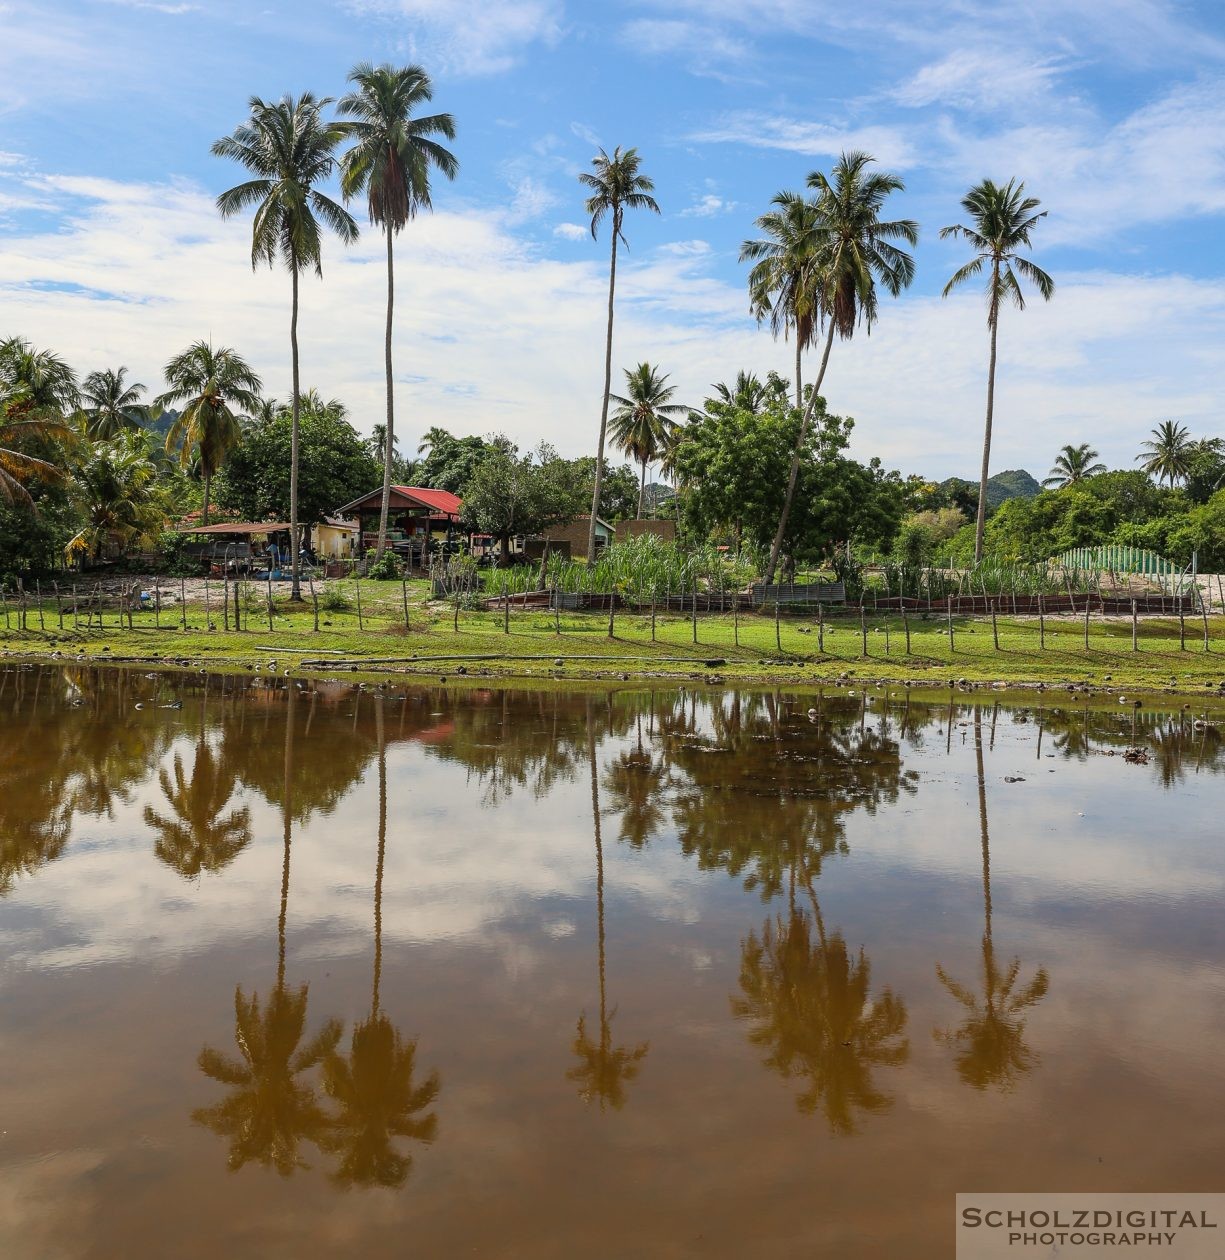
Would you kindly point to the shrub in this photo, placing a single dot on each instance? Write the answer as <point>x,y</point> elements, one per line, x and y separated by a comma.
<point>387,568</point>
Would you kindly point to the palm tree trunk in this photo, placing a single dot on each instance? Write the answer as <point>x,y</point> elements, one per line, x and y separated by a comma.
<point>642,488</point>
<point>599,458</point>
<point>795,459</point>
<point>208,486</point>
<point>296,588</point>
<point>799,388</point>
<point>981,520</point>
<point>389,436</point>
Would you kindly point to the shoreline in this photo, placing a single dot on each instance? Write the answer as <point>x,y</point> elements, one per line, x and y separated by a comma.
<point>578,658</point>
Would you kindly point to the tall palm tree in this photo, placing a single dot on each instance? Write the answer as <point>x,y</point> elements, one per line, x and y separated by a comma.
<point>748,393</point>
<point>216,388</point>
<point>783,286</point>
<point>616,186</point>
<point>290,148</point>
<point>390,162</point>
<point>112,406</point>
<point>1167,455</point>
<point>1002,219</point>
<point>1073,464</point>
<point>642,423</point>
<point>853,252</point>
<point>374,1085</point>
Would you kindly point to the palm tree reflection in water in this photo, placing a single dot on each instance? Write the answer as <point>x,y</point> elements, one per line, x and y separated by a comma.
<point>603,1069</point>
<point>270,1110</point>
<point>373,1086</point>
<point>990,1042</point>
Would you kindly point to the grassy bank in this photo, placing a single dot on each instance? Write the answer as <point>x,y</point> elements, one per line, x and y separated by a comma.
<point>749,648</point>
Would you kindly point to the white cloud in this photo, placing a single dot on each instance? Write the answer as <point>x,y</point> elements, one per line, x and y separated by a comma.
<point>471,36</point>
<point>570,231</point>
<point>707,206</point>
<point>889,145</point>
<point>587,134</point>
<point>702,48</point>
<point>979,79</point>
<point>1164,162</point>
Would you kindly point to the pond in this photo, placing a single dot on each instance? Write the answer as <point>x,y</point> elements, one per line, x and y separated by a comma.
<point>297,969</point>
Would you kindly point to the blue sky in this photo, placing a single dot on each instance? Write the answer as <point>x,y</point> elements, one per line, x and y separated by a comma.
<point>1112,111</point>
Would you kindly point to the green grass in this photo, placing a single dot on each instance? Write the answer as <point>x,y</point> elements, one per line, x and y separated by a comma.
<point>1160,663</point>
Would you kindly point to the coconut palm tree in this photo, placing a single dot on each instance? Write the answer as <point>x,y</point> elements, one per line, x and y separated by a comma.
<point>46,384</point>
<point>390,162</point>
<point>603,1069</point>
<point>991,1039</point>
<point>853,252</point>
<point>374,1085</point>
<point>783,286</point>
<point>1073,464</point>
<point>1002,219</point>
<point>116,488</point>
<point>748,393</point>
<point>112,406</point>
<point>616,186</point>
<point>642,423</point>
<point>1167,455</point>
<point>216,387</point>
<point>290,148</point>
<point>20,424</point>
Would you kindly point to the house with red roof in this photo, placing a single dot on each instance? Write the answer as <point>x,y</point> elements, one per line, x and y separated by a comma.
<point>416,518</point>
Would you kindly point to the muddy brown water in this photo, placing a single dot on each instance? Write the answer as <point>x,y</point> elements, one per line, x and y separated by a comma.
<point>297,971</point>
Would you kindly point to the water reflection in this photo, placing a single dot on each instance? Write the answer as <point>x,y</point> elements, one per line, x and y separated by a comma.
<point>811,1006</point>
<point>272,1109</point>
<point>603,1069</point>
<point>373,1086</point>
<point>777,900</point>
<point>989,1044</point>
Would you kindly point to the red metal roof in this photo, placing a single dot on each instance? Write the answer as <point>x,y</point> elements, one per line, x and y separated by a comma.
<point>436,500</point>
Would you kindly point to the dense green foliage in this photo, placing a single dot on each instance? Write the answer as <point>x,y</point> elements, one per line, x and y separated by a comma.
<point>335,466</point>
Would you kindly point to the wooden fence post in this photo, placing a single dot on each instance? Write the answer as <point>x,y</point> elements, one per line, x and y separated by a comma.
<point>886,625</point>
<point>906,624</point>
<point>735,619</point>
<point>1135,627</point>
<point>695,610</point>
<point>403,599</point>
<point>1182,627</point>
<point>1086,622</point>
<point>506,605</point>
<point>59,607</point>
<point>38,594</point>
<point>948,603</point>
<point>269,601</point>
<point>820,627</point>
<point>778,631</point>
<point>310,579</point>
<point>1041,623</point>
<point>863,629</point>
<point>183,600</point>
<point>1204,612</point>
<point>612,611</point>
<point>995,629</point>
<point>357,586</point>
<point>208,614</point>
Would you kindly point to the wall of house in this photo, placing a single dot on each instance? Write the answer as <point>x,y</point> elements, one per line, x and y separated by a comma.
<point>665,530</point>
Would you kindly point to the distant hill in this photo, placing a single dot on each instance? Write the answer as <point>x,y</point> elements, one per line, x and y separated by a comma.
<point>1015,483</point>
